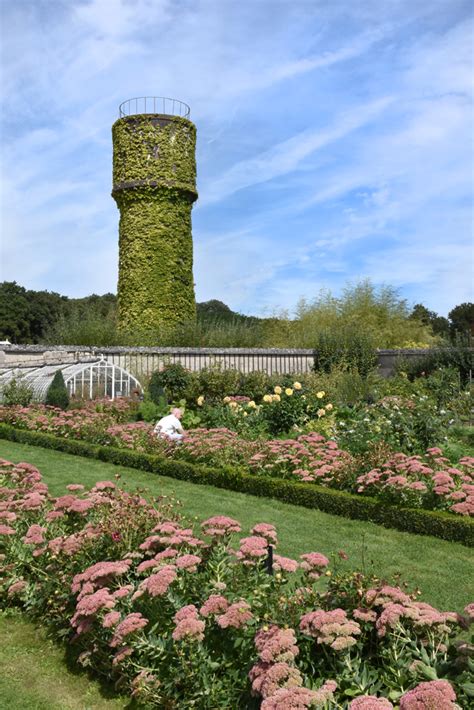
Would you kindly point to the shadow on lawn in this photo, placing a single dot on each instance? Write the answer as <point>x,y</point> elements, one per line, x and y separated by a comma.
<point>107,688</point>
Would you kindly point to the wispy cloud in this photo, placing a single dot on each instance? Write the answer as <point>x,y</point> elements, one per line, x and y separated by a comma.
<point>333,141</point>
<point>287,155</point>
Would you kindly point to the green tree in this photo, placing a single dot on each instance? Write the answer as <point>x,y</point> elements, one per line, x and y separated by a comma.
<point>438,324</point>
<point>26,315</point>
<point>377,312</point>
<point>57,394</point>
<point>14,313</point>
<point>462,319</point>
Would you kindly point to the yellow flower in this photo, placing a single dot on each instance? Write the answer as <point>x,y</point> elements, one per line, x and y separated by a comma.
<point>226,400</point>
<point>328,407</point>
<point>233,404</point>
<point>267,398</point>
<point>321,412</point>
<point>276,398</point>
<point>277,389</point>
<point>200,400</point>
<point>246,414</point>
<point>320,395</point>
<point>289,391</point>
<point>296,385</point>
<point>251,404</point>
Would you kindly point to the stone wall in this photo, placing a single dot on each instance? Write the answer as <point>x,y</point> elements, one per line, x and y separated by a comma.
<point>141,362</point>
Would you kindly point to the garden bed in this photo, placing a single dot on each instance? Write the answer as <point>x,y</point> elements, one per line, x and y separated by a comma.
<point>187,615</point>
<point>438,524</point>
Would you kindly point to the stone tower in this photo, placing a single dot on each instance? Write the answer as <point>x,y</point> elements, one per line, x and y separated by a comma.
<point>154,186</point>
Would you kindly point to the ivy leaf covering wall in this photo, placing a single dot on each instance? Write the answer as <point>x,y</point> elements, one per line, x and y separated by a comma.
<point>154,177</point>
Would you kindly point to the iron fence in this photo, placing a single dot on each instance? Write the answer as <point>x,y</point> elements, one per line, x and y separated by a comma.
<point>154,104</point>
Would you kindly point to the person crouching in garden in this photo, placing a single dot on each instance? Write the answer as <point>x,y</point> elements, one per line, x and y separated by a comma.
<point>169,427</point>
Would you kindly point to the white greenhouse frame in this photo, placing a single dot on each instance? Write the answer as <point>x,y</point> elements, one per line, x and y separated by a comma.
<point>84,380</point>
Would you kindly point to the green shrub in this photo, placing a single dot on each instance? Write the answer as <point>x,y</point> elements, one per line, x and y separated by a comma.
<point>458,356</point>
<point>283,415</point>
<point>57,394</point>
<point>148,411</point>
<point>171,383</point>
<point>348,347</point>
<point>410,425</point>
<point>217,382</point>
<point>424,522</point>
<point>255,385</point>
<point>17,392</point>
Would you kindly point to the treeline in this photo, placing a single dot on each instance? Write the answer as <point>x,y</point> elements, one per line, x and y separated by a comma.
<point>28,316</point>
<point>378,313</point>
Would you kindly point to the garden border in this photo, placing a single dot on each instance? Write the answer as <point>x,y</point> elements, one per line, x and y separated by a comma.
<point>410,520</point>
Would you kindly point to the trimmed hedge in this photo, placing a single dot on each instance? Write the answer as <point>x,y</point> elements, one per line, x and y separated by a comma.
<point>422,522</point>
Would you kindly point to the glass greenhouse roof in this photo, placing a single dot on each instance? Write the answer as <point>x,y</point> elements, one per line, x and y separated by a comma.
<point>84,380</point>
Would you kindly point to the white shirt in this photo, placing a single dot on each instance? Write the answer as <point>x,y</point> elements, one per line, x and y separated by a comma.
<point>168,425</point>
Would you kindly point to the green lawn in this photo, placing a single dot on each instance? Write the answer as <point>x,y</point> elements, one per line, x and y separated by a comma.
<point>444,571</point>
<point>34,674</point>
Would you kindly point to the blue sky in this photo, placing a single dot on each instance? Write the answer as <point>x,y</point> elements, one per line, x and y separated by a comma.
<point>334,142</point>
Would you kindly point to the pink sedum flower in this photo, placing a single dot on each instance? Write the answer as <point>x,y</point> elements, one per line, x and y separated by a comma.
<point>132,623</point>
<point>236,615</point>
<point>296,698</point>
<point>188,624</point>
<point>111,619</point>
<point>157,584</point>
<point>267,531</point>
<point>275,644</point>
<point>284,564</point>
<point>220,526</point>
<point>267,678</point>
<point>215,604</point>
<point>370,702</point>
<point>314,564</point>
<point>433,695</point>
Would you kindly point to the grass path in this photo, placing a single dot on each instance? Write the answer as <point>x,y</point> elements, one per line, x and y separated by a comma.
<point>444,571</point>
<point>34,675</point>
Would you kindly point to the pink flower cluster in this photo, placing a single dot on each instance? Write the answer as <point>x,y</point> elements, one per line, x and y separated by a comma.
<point>309,457</point>
<point>170,534</point>
<point>430,482</point>
<point>331,628</point>
<point>157,584</point>
<point>215,604</point>
<point>236,615</point>
<point>435,695</point>
<point>275,677</point>
<point>314,564</point>
<point>370,702</point>
<point>131,624</point>
<point>252,549</point>
<point>99,574</point>
<point>298,698</point>
<point>188,624</point>
<point>275,644</point>
<point>395,607</point>
<point>220,526</point>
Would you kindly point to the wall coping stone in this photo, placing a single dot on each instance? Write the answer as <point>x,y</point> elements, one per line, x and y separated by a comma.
<point>192,350</point>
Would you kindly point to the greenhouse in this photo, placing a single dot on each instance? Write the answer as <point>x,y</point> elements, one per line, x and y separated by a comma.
<point>84,380</point>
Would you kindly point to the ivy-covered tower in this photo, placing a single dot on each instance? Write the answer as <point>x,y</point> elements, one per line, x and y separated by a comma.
<point>154,186</point>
